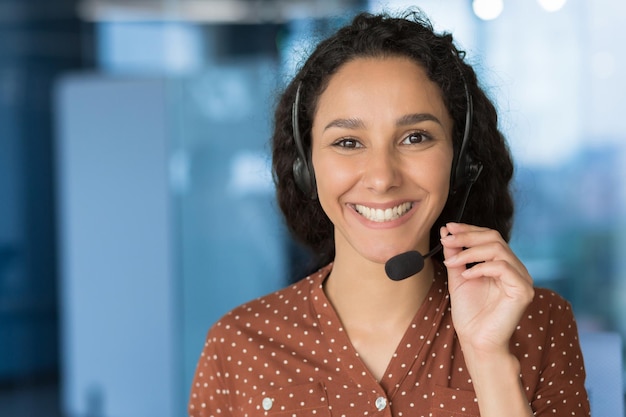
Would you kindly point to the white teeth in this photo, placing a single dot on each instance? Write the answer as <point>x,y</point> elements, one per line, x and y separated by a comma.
<point>379,215</point>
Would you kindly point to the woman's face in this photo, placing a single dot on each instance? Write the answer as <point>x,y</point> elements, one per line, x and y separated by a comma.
<point>382,155</point>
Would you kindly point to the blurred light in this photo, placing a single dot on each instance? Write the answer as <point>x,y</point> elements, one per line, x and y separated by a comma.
<point>149,47</point>
<point>250,173</point>
<point>552,5</point>
<point>487,9</point>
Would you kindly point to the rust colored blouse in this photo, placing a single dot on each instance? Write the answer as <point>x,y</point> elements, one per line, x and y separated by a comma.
<point>286,354</point>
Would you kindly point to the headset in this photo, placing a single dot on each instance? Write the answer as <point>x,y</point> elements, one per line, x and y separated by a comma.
<point>303,172</point>
<point>465,170</point>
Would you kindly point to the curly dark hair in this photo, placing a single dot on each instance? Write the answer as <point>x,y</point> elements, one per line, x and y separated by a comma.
<point>411,35</point>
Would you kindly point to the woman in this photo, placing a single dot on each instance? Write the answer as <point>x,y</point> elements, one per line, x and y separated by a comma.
<point>378,140</point>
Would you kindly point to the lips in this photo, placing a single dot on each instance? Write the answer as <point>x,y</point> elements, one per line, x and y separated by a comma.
<point>383,215</point>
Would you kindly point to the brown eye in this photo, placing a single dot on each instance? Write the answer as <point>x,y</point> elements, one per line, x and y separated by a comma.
<point>416,138</point>
<point>348,143</point>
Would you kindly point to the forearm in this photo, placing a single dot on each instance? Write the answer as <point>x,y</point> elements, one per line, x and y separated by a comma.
<point>497,383</point>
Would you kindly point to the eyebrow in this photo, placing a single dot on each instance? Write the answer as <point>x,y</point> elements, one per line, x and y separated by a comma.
<point>406,120</point>
<point>410,119</point>
<point>346,124</point>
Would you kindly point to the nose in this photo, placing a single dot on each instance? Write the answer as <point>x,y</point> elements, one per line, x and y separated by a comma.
<point>382,171</point>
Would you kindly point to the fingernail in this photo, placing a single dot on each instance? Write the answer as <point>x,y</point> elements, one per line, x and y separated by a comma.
<point>450,261</point>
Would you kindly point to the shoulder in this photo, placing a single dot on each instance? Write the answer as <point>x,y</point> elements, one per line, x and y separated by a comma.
<point>548,319</point>
<point>547,346</point>
<point>288,304</point>
<point>548,305</point>
<point>548,324</point>
<point>547,313</point>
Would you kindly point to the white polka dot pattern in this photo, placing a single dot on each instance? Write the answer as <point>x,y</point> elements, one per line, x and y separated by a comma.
<point>286,354</point>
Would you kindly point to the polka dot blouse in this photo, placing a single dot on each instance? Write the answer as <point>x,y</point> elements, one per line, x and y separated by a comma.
<point>286,354</point>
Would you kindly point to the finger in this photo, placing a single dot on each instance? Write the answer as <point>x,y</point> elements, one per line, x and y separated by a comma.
<point>489,252</point>
<point>451,252</point>
<point>456,228</point>
<point>468,236</point>
<point>477,245</point>
<point>513,285</point>
<point>501,270</point>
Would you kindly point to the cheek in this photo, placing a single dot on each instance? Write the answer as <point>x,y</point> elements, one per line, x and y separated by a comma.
<point>333,177</point>
<point>446,172</point>
<point>437,169</point>
<point>441,187</point>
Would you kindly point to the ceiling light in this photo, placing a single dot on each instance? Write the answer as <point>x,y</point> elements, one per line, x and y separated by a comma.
<point>487,9</point>
<point>552,5</point>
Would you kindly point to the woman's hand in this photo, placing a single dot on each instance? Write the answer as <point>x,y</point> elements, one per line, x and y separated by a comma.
<point>489,298</point>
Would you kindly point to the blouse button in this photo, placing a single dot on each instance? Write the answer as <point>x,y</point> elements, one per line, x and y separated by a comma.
<point>267,403</point>
<point>381,403</point>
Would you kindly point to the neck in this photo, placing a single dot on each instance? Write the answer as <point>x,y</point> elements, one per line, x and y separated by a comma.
<point>361,292</point>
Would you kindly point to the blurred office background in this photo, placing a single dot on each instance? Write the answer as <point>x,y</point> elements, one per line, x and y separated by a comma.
<point>136,201</point>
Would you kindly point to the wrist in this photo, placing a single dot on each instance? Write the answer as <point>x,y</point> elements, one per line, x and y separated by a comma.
<point>497,382</point>
<point>500,361</point>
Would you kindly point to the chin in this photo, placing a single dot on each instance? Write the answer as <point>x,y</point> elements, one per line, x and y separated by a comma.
<point>382,256</point>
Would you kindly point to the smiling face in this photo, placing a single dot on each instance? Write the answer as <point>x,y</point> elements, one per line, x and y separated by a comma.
<point>382,155</point>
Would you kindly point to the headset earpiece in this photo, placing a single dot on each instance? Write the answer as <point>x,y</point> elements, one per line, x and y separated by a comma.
<point>302,176</point>
<point>302,170</point>
<point>467,173</point>
<point>472,172</point>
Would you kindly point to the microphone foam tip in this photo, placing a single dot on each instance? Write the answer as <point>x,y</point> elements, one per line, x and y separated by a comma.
<point>404,265</point>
